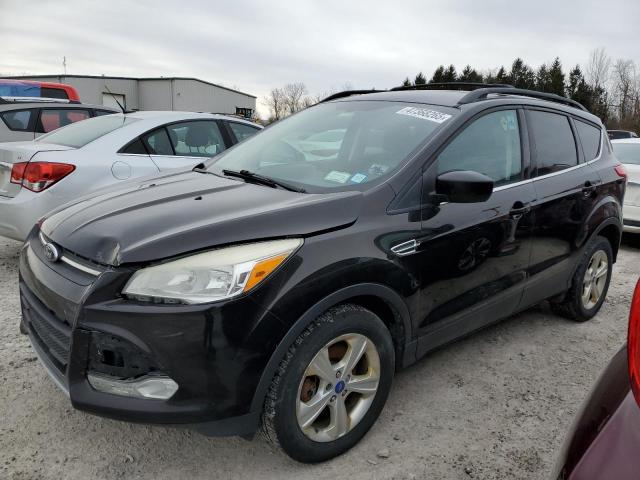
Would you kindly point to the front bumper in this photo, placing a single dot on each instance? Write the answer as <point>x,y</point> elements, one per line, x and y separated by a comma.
<point>79,324</point>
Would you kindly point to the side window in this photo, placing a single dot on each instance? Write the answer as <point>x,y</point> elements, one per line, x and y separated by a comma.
<point>17,120</point>
<point>158,143</point>
<point>590,137</point>
<point>490,145</point>
<point>136,147</point>
<point>555,147</point>
<point>50,119</point>
<point>242,130</point>
<point>200,138</point>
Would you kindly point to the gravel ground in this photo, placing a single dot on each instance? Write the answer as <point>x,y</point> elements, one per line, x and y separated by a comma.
<point>493,406</point>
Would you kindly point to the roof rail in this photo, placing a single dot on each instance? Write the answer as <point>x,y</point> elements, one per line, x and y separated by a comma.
<point>482,93</point>
<point>348,93</point>
<point>451,86</point>
<point>11,99</point>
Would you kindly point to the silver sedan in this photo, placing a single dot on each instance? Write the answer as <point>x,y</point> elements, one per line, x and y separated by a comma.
<point>81,158</point>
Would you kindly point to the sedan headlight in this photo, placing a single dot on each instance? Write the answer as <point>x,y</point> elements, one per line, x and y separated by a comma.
<point>210,276</point>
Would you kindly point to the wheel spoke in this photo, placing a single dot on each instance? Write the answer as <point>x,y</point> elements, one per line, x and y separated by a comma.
<point>596,292</point>
<point>340,421</point>
<point>357,347</point>
<point>309,411</point>
<point>602,270</point>
<point>586,293</point>
<point>321,366</point>
<point>364,384</point>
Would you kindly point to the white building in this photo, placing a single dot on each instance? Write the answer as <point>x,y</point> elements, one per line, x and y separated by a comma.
<point>162,93</point>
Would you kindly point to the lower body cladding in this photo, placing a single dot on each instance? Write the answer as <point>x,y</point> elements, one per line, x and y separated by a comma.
<point>187,366</point>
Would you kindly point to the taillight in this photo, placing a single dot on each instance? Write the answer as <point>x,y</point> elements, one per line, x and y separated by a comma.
<point>38,176</point>
<point>633,343</point>
<point>621,171</point>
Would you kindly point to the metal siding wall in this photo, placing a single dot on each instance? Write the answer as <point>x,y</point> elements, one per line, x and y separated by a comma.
<point>190,95</point>
<point>155,94</point>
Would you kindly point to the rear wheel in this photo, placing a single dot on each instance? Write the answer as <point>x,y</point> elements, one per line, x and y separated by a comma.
<point>590,283</point>
<point>331,385</point>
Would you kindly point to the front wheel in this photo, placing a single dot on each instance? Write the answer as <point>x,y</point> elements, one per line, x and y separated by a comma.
<point>590,283</point>
<point>331,385</point>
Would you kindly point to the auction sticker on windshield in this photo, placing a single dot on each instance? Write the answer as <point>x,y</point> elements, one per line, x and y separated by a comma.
<point>425,114</point>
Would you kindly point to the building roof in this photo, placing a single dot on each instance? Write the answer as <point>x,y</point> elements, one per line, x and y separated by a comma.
<point>60,76</point>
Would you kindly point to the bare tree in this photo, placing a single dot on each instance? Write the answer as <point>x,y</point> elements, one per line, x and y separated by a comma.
<point>275,101</point>
<point>625,89</point>
<point>598,68</point>
<point>293,95</point>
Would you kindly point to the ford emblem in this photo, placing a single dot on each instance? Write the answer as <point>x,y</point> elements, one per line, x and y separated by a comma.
<point>51,252</point>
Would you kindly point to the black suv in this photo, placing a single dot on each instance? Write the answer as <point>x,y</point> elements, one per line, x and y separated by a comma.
<point>283,283</point>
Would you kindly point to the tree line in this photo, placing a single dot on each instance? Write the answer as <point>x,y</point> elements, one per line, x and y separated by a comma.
<point>609,89</point>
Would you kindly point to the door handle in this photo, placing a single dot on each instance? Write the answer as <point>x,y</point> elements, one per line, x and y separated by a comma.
<point>588,189</point>
<point>519,209</point>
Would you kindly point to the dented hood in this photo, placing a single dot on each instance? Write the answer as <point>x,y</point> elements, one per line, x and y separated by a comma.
<point>185,212</point>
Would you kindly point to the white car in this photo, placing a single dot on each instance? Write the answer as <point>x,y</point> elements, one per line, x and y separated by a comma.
<point>627,150</point>
<point>76,160</point>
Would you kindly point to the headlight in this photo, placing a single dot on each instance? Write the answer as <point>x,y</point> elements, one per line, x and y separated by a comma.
<point>210,276</point>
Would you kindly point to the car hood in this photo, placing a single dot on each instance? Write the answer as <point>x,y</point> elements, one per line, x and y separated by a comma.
<point>190,211</point>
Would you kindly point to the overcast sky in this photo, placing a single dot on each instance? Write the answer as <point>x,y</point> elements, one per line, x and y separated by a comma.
<point>256,45</point>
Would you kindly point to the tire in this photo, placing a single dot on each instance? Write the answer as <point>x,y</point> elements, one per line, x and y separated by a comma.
<point>336,333</point>
<point>573,306</point>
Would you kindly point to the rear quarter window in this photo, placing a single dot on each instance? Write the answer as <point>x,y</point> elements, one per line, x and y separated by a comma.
<point>17,120</point>
<point>590,137</point>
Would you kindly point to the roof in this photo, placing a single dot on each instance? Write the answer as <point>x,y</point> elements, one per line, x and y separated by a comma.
<point>60,77</point>
<point>168,115</point>
<point>451,98</point>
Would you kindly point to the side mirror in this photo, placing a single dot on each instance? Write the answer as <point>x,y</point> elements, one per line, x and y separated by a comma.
<point>464,186</point>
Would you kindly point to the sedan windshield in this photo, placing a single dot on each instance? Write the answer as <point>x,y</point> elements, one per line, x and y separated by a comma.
<point>338,144</point>
<point>79,134</point>
<point>627,152</point>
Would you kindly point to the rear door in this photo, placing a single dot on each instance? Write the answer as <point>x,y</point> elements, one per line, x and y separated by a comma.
<point>184,144</point>
<point>473,257</point>
<point>566,189</point>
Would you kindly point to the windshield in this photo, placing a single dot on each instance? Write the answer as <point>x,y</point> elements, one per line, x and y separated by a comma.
<point>336,144</point>
<point>627,152</point>
<point>79,134</point>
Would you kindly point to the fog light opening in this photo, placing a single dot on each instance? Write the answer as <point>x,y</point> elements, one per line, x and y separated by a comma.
<point>156,387</point>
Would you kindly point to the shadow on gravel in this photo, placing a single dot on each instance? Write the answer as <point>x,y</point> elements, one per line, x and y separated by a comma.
<point>631,240</point>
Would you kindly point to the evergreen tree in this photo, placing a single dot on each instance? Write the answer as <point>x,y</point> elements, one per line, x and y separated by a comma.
<point>420,79</point>
<point>438,75</point>
<point>470,75</point>
<point>543,80</point>
<point>521,75</point>
<point>450,74</point>
<point>556,78</point>
<point>406,83</point>
<point>501,76</point>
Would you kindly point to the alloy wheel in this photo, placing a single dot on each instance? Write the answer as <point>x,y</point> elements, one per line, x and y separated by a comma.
<point>595,279</point>
<point>338,387</point>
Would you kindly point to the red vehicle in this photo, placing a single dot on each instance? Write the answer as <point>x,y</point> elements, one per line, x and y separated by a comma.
<point>29,88</point>
<point>604,441</point>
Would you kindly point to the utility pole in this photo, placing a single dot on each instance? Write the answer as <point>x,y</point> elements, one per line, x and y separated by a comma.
<point>64,65</point>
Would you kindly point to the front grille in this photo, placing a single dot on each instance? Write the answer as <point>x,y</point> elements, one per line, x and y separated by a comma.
<point>52,334</point>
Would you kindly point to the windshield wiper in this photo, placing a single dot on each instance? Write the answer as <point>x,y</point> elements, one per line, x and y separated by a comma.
<point>248,176</point>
